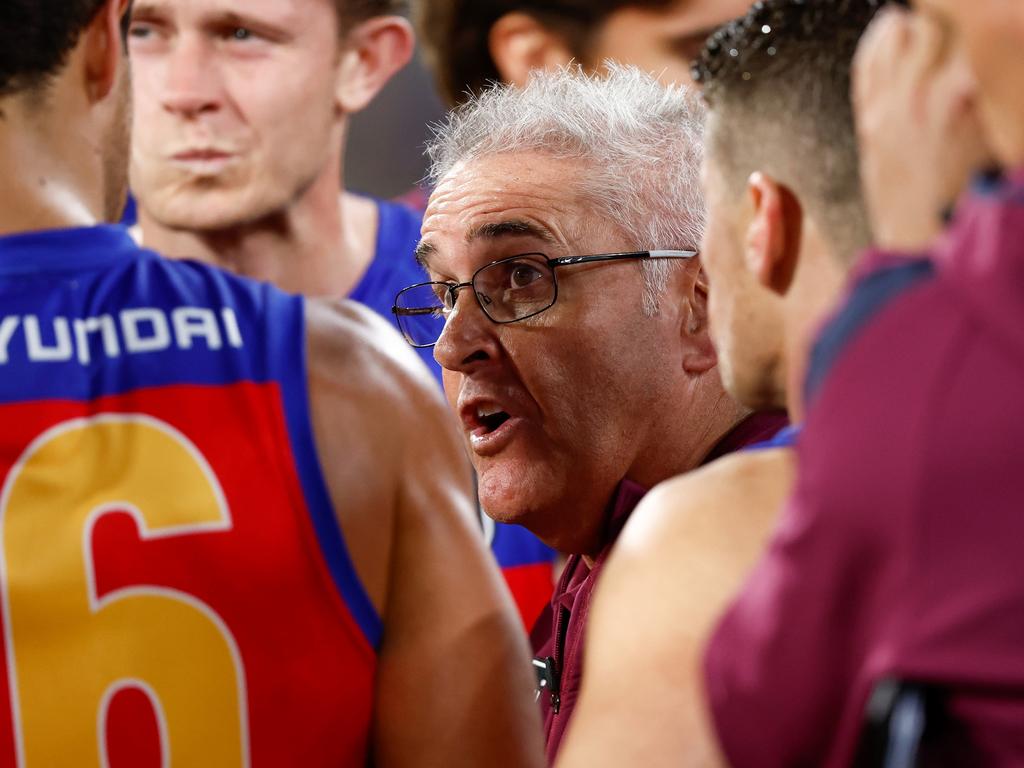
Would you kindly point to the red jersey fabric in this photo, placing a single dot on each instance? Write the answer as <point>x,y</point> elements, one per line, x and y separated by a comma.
<point>559,633</point>
<point>899,554</point>
<point>175,588</point>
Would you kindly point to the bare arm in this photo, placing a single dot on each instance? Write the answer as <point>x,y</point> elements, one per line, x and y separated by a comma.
<point>453,676</point>
<point>684,554</point>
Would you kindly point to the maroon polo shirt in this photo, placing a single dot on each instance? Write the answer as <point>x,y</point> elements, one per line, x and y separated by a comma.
<point>559,633</point>
<point>901,553</point>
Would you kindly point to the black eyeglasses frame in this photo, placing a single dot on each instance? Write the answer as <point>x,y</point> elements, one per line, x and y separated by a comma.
<point>564,261</point>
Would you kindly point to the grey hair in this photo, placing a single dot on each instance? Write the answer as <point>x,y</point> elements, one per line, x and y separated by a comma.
<point>642,144</point>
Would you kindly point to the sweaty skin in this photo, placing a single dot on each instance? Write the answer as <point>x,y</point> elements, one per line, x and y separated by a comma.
<point>642,701</point>
<point>453,686</point>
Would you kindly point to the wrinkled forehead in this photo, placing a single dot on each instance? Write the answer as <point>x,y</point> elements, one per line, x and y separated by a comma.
<point>489,205</point>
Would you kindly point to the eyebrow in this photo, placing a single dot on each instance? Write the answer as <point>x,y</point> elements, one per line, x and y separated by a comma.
<point>510,228</point>
<point>423,253</point>
<point>221,17</point>
<point>143,9</point>
<point>492,231</point>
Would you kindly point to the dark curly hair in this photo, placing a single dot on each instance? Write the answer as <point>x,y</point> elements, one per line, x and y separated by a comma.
<point>36,37</point>
<point>782,74</point>
<point>454,34</point>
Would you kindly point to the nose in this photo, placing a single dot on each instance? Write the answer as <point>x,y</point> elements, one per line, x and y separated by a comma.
<point>192,83</point>
<point>468,339</point>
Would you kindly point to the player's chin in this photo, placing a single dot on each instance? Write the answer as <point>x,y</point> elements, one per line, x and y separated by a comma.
<point>512,491</point>
<point>201,208</point>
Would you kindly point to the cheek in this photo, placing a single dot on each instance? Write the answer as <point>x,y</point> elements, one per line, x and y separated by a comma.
<point>451,382</point>
<point>148,127</point>
<point>291,148</point>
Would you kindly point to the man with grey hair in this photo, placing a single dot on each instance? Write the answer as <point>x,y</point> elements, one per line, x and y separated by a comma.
<point>579,363</point>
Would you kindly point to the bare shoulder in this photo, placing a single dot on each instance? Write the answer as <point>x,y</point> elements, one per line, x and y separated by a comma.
<point>382,432</point>
<point>352,347</point>
<point>729,500</point>
<point>705,530</point>
<point>685,552</point>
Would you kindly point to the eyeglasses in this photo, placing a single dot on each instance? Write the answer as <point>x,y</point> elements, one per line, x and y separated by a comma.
<point>507,291</point>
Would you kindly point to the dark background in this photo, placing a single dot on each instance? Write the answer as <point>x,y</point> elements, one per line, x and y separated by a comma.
<point>384,156</point>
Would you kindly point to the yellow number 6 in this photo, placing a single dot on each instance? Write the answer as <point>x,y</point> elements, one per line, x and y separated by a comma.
<point>68,650</point>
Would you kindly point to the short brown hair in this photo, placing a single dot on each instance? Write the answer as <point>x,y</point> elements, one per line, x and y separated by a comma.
<point>455,34</point>
<point>778,83</point>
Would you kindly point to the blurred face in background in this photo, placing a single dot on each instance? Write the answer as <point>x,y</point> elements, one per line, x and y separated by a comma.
<point>662,41</point>
<point>236,112</point>
<point>992,34</point>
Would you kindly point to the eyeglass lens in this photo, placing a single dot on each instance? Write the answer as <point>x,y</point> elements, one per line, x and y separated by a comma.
<point>507,291</point>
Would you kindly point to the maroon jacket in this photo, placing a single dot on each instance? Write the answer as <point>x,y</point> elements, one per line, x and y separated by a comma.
<point>901,553</point>
<point>559,633</point>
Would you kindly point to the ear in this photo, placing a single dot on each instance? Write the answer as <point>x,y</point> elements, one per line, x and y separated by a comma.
<point>519,44</point>
<point>772,247</point>
<point>699,354</point>
<point>373,52</point>
<point>103,48</point>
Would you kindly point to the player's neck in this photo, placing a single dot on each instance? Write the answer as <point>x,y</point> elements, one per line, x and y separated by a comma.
<point>817,287</point>
<point>320,245</point>
<point>47,178</point>
<point>682,438</point>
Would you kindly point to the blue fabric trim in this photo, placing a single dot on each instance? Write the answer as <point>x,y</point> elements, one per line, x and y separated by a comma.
<point>130,215</point>
<point>81,279</point>
<point>514,546</point>
<point>394,267</point>
<point>65,250</point>
<point>289,361</point>
<point>785,438</point>
<point>996,185</point>
<point>870,296</point>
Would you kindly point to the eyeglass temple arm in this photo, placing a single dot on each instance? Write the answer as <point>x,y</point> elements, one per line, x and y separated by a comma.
<point>409,311</point>
<point>672,254</point>
<point>569,260</point>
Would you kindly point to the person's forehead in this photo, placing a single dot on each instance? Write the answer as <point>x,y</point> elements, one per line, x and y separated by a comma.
<point>705,13</point>
<point>521,185</point>
<point>684,17</point>
<point>512,198</point>
<point>283,12</point>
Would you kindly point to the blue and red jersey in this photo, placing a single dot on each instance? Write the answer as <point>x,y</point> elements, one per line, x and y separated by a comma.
<point>175,586</point>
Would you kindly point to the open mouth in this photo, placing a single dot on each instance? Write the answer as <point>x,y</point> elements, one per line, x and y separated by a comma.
<point>490,422</point>
<point>489,427</point>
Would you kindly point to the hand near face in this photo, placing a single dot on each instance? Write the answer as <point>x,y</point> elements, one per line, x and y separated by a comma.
<point>917,124</point>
